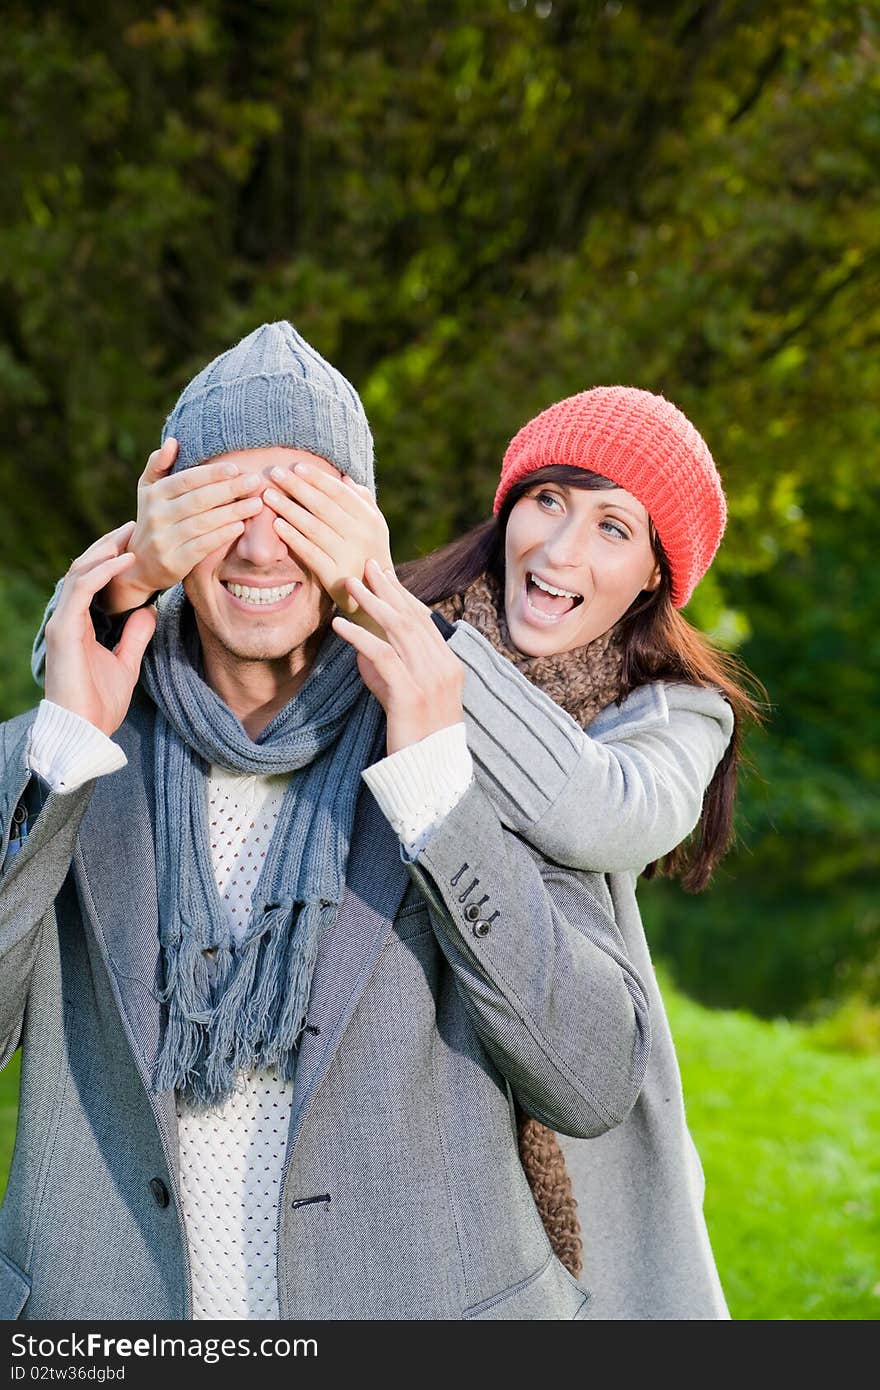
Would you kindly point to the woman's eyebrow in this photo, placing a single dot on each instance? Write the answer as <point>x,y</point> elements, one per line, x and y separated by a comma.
<point>622,507</point>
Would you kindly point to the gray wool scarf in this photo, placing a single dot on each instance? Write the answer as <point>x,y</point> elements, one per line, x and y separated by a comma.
<point>242,1005</point>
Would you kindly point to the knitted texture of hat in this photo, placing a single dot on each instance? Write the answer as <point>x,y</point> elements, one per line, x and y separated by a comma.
<point>646,445</point>
<point>272,388</point>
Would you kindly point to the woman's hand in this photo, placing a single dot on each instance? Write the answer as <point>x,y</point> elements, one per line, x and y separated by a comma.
<point>333,527</point>
<point>180,520</point>
<point>81,675</point>
<point>414,675</point>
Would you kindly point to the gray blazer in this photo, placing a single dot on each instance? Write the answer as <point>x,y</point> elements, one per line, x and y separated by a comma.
<point>615,798</point>
<point>446,988</point>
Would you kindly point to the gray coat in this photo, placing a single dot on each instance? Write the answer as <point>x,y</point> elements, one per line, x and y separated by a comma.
<point>446,988</point>
<point>615,799</point>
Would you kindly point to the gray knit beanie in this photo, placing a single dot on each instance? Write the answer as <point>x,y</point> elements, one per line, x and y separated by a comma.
<point>272,388</point>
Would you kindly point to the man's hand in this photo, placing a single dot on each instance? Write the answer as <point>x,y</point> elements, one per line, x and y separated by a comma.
<point>180,520</point>
<point>333,527</point>
<point>415,676</point>
<point>81,675</point>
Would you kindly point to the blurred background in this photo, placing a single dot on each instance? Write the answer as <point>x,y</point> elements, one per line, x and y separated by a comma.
<point>474,210</point>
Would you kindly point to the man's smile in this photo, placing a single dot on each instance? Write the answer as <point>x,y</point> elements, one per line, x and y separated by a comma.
<point>266,597</point>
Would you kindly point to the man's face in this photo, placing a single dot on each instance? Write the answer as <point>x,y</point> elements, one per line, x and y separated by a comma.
<point>253,600</point>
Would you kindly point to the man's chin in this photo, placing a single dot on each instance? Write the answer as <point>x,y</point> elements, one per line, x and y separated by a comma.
<point>272,646</point>
<point>264,649</point>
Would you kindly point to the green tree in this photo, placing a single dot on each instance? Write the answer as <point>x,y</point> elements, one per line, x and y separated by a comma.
<point>475,211</point>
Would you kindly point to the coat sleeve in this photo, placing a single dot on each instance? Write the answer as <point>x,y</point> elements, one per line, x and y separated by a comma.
<point>31,878</point>
<point>541,968</point>
<point>610,799</point>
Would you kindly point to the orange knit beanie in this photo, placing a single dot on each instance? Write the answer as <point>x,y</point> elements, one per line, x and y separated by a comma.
<point>646,445</point>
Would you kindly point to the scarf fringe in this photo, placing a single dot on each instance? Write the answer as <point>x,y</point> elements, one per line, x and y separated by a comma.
<point>293,1002</point>
<point>248,1011</point>
<point>186,989</point>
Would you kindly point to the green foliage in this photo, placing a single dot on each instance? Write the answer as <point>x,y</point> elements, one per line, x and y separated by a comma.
<point>852,1027</point>
<point>475,211</point>
<point>21,608</point>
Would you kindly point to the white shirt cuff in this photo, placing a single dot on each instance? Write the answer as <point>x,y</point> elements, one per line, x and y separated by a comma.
<point>65,750</point>
<point>418,786</point>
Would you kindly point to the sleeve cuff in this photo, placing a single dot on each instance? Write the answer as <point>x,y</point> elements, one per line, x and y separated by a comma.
<point>65,750</point>
<point>417,787</point>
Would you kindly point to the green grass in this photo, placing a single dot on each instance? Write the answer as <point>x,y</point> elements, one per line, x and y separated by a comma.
<point>790,1141</point>
<point>8,1112</point>
<point>789,1136</point>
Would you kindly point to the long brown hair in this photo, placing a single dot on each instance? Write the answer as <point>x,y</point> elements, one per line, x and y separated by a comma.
<point>657,644</point>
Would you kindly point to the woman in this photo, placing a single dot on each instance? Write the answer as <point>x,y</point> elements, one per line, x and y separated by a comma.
<point>608,511</point>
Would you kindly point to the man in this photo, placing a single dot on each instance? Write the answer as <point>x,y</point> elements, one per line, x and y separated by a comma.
<point>269,1051</point>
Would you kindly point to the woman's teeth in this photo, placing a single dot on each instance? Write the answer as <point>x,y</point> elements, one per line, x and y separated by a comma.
<point>552,603</point>
<point>247,594</point>
<point>549,589</point>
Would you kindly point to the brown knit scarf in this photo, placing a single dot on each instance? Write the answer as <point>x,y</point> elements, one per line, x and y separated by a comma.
<point>582,682</point>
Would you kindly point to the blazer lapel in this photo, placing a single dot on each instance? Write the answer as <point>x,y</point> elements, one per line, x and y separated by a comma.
<point>376,881</point>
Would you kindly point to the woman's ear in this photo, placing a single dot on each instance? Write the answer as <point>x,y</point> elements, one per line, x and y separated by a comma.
<point>654,580</point>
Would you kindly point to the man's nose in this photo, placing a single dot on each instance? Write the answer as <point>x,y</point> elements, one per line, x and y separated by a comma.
<point>259,543</point>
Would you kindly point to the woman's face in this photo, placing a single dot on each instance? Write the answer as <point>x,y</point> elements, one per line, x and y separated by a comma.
<point>594,546</point>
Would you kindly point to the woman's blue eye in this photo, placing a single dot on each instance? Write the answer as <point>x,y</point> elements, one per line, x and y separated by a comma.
<point>544,497</point>
<point>617,529</point>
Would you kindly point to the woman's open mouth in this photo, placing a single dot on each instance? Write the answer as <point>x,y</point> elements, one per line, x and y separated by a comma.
<point>548,602</point>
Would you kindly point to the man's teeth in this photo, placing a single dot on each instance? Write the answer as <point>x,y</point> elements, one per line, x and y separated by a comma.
<point>257,596</point>
<point>549,589</point>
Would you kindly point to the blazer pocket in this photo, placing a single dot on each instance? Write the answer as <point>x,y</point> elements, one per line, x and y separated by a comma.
<point>15,1289</point>
<point>551,1293</point>
<point>411,919</point>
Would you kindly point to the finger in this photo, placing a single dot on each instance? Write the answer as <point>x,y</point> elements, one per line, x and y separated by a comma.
<point>381,653</point>
<point>159,462</point>
<point>135,639</point>
<point>365,499</point>
<point>371,603</point>
<point>410,630</point>
<point>311,555</point>
<point>80,587</point>
<point>122,533</point>
<point>385,584</point>
<point>360,488</point>
<point>376,681</point>
<point>201,475</point>
<point>330,484</point>
<point>113,543</point>
<point>192,524</point>
<point>336,509</point>
<point>353,498</point>
<point>210,495</point>
<point>323,535</point>
<point>189,555</point>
